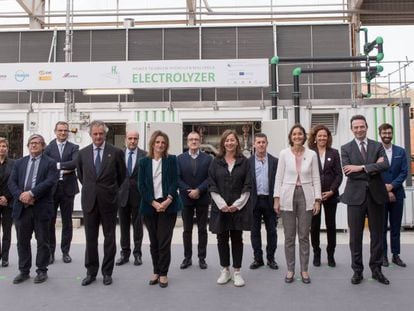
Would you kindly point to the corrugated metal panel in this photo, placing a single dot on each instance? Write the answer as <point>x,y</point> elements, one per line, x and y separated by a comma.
<point>35,46</point>
<point>147,95</point>
<point>181,43</point>
<point>60,45</point>
<point>82,46</point>
<point>250,93</point>
<point>185,95</point>
<point>222,94</point>
<point>9,47</point>
<point>255,42</point>
<point>218,43</point>
<point>145,44</point>
<point>108,45</point>
<point>8,97</point>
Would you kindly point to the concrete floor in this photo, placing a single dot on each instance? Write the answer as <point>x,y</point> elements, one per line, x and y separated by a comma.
<point>195,289</point>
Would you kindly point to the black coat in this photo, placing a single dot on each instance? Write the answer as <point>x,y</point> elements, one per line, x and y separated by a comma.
<point>230,186</point>
<point>4,189</point>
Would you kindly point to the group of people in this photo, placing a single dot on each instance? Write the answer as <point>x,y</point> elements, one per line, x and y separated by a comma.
<point>151,188</point>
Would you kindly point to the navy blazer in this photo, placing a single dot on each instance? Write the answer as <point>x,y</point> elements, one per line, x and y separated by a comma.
<point>188,180</point>
<point>369,179</point>
<point>102,188</point>
<point>272,168</point>
<point>397,172</point>
<point>129,187</point>
<point>331,172</point>
<point>67,163</point>
<point>47,176</point>
<point>169,184</point>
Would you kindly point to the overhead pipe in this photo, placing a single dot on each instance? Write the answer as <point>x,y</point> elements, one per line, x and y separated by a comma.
<point>298,71</point>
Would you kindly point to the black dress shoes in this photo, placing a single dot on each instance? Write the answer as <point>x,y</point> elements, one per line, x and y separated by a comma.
<point>317,259</point>
<point>202,264</point>
<point>377,275</point>
<point>397,260</point>
<point>51,259</point>
<point>256,264</point>
<point>4,263</point>
<point>331,261</point>
<point>385,262</point>
<point>122,260</point>
<point>357,278</point>
<point>186,263</point>
<point>154,281</point>
<point>40,277</point>
<point>306,280</point>
<point>272,264</point>
<point>21,277</point>
<point>66,258</point>
<point>88,280</point>
<point>138,261</point>
<point>107,280</point>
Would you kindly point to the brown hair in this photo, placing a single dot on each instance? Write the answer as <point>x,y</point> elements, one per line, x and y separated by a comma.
<point>222,149</point>
<point>61,123</point>
<point>4,140</point>
<point>152,143</point>
<point>385,126</point>
<point>358,117</point>
<point>296,126</point>
<point>314,132</point>
<point>40,137</point>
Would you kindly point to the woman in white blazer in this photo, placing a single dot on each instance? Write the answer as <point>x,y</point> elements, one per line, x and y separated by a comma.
<point>297,196</point>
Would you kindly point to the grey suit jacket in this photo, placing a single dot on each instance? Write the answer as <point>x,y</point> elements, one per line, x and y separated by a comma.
<point>370,179</point>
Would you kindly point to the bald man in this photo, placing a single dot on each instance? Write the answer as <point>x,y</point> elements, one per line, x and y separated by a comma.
<point>129,199</point>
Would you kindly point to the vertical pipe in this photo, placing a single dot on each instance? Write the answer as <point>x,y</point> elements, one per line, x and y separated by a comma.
<point>273,92</point>
<point>407,140</point>
<point>67,57</point>
<point>296,94</point>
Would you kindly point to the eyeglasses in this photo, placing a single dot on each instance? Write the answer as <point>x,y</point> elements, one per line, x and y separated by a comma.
<point>35,143</point>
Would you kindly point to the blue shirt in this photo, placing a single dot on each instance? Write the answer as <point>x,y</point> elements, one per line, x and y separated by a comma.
<point>36,168</point>
<point>262,175</point>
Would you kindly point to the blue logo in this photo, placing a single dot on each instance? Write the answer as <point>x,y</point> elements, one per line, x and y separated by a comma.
<point>20,75</point>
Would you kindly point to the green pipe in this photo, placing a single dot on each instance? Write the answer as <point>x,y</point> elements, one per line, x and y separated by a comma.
<point>380,68</point>
<point>297,71</point>
<point>163,116</point>
<point>379,40</point>
<point>275,60</point>
<point>380,57</point>
<point>137,116</point>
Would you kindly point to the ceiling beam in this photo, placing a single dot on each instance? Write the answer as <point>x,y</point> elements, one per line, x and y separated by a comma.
<point>34,8</point>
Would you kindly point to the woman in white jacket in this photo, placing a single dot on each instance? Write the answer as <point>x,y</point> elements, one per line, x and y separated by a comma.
<point>297,196</point>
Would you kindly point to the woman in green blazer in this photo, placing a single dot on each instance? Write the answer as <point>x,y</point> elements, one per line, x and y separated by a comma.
<point>158,184</point>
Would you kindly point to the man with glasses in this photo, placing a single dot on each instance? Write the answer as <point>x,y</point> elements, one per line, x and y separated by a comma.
<point>192,182</point>
<point>65,154</point>
<point>31,183</point>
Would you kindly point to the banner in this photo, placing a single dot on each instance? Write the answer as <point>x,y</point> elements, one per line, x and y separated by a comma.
<point>172,74</point>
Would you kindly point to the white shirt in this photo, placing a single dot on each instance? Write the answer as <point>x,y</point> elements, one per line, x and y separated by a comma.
<point>388,152</point>
<point>157,178</point>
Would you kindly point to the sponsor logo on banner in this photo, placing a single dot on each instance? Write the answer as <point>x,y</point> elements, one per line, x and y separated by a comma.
<point>20,75</point>
<point>68,75</point>
<point>45,75</point>
<point>113,74</point>
<point>3,77</point>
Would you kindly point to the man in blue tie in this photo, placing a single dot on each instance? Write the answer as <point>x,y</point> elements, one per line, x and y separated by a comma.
<point>129,202</point>
<point>65,154</point>
<point>101,171</point>
<point>31,183</point>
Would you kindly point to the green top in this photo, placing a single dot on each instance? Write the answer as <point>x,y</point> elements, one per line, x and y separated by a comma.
<point>297,71</point>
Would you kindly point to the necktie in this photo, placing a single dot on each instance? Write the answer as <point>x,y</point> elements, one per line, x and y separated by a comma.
<point>363,151</point>
<point>194,165</point>
<point>129,164</point>
<point>98,161</point>
<point>29,181</point>
<point>60,150</point>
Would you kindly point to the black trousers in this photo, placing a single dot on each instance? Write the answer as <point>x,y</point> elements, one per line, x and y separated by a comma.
<point>395,212</point>
<point>130,214</point>
<point>329,208</point>
<point>356,221</point>
<point>160,230</point>
<point>264,210</point>
<point>25,226</point>
<point>92,221</point>
<point>236,237</point>
<point>188,222</point>
<point>6,221</point>
<point>66,209</point>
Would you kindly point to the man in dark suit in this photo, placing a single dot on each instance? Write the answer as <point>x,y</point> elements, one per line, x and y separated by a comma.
<point>363,160</point>
<point>65,154</point>
<point>101,171</point>
<point>263,168</point>
<point>192,182</point>
<point>129,202</point>
<point>394,178</point>
<point>31,184</point>
<point>6,202</point>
